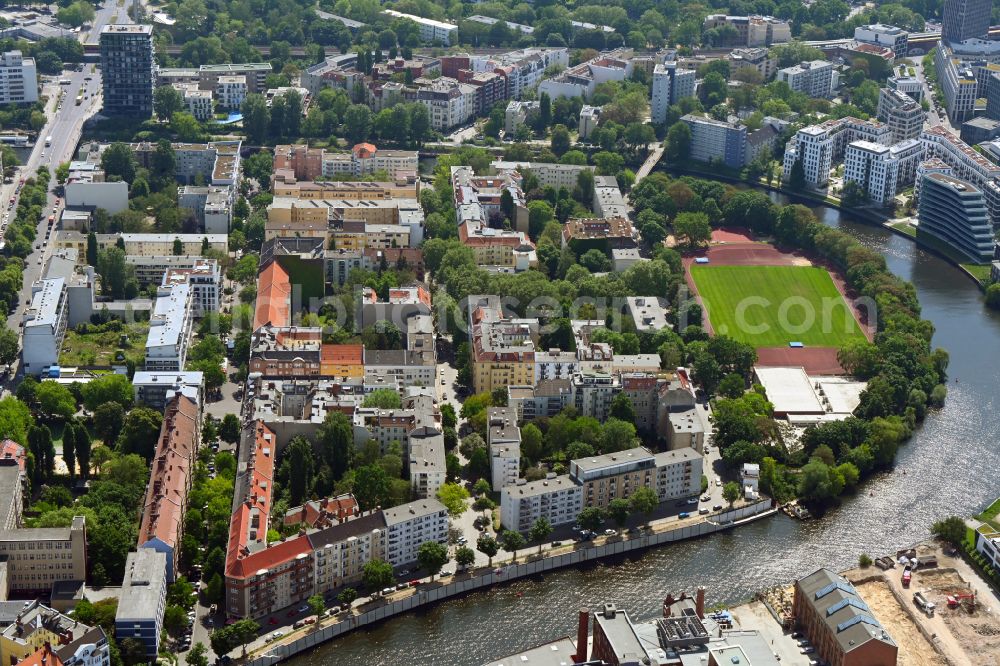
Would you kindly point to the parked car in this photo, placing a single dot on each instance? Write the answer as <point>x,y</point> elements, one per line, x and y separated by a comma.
<point>717,507</point>
<point>693,500</point>
<point>683,514</point>
<point>610,532</point>
<point>387,591</point>
<point>276,635</point>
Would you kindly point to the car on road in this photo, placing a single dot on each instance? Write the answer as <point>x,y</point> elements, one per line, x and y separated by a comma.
<point>706,498</point>
<point>807,650</point>
<point>276,635</point>
<point>693,500</point>
<point>610,532</point>
<point>717,507</point>
<point>683,514</point>
<point>718,483</point>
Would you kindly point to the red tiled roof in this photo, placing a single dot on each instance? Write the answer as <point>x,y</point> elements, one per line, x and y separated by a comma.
<point>11,450</point>
<point>170,475</point>
<point>257,501</point>
<point>274,294</point>
<point>351,354</point>
<point>364,150</point>
<point>279,553</point>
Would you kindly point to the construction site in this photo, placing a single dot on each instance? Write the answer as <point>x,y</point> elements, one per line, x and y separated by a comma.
<point>938,610</point>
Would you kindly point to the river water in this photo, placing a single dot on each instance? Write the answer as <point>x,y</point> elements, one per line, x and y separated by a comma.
<point>946,468</point>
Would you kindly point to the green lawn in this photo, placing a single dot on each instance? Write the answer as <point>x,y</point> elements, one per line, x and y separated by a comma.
<point>770,306</point>
<point>105,347</point>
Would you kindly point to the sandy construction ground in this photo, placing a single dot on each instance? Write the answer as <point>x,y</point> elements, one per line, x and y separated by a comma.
<point>914,650</point>
<point>978,633</point>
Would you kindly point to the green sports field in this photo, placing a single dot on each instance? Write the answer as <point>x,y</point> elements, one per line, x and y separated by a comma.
<point>770,306</point>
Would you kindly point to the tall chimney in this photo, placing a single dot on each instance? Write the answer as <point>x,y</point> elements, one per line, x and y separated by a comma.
<point>581,636</point>
<point>699,602</point>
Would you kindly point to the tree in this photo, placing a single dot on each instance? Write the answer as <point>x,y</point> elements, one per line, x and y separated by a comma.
<point>372,487</point>
<point>15,418</point>
<point>69,448</point>
<point>465,556</point>
<point>9,346</point>
<point>731,386</point>
<point>316,606</point>
<point>431,556</point>
<point>952,529</point>
<point>643,500</point>
<point>488,546</point>
<point>377,575</point>
<point>510,541</point>
<point>256,118</point>
<point>384,398</point>
<point>347,596</point>
<point>591,518</point>
<point>993,296</point>
<point>622,409</point>
<point>92,252</point>
<point>298,465</point>
<point>678,142</point>
<point>357,123</point>
<point>544,112</point>
<point>227,639</point>
<point>197,656</point>
<point>174,620</point>
<point>560,141</point>
<point>797,176</point>
<point>139,433</point>
<point>55,400</point>
<point>335,438</point>
<point>540,530</point>
<point>229,431</point>
<point>731,492</point>
<point>693,228</point>
<point>453,496</point>
<point>166,102</point>
<point>108,421</point>
<point>185,126</point>
<point>112,388</point>
<point>118,162</point>
<point>618,510</point>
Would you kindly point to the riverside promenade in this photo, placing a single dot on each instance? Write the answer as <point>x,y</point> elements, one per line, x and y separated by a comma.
<point>262,653</point>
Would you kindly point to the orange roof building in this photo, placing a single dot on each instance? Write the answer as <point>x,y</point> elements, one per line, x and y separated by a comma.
<point>44,656</point>
<point>170,478</point>
<point>342,361</point>
<point>274,297</point>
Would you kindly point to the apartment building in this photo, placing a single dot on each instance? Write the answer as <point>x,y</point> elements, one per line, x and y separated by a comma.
<point>341,551</point>
<point>170,479</point>
<point>582,234</point>
<point>503,437</point>
<point>204,278</point>
<point>902,115</point>
<point>211,204</point>
<point>398,368</point>
<point>431,31</point>
<point>479,199</point>
<point>285,186</point>
<point>608,201</point>
<point>40,556</point>
<point>154,389</point>
<point>401,304</point>
<point>590,116</point>
<point>18,79</point>
<point>967,165</point>
<point>71,642</point>
<point>888,36</point>
<point>410,525</point>
<point>230,91</point>
<point>816,79</point>
<point>759,59</point>
<point>366,158</point>
<point>524,69</point>
<point>817,146</point>
<point>128,69</point>
<point>882,171</point>
<point>286,352</point>
<point>581,80</point>
<point>838,622</point>
<point>45,323</point>
<point>993,96</point>
<point>213,163</point>
<point>254,75</point>
<point>170,328</point>
<point>643,391</point>
<point>548,173</point>
<point>752,30</point>
<point>558,499</point>
<point>716,141</point>
<point>910,85</point>
<point>199,103</point>
<point>336,71</point>
<point>962,79</point>
<point>449,102</point>
<point>670,85</point>
<point>672,474</point>
<point>519,113</point>
<point>143,600</point>
<point>954,212</point>
<point>503,354</point>
<point>146,245</point>
<point>426,458</point>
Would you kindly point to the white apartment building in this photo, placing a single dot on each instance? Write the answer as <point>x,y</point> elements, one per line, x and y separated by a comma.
<point>959,83</point>
<point>525,68</point>
<point>759,59</point>
<point>169,329</point>
<point>341,552</point>
<point>44,325</point>
<point>556,498</point>
<point>910,85</point>
<point>967,165</point>
<point>882,170</point>
<point>430,30</point>
<point>18,79</point>
<point>428,471</point>
<point>365,158</point>
<point>816,79</point>
<point>547,173</point>
<point>158,245</point>
<point>819,145</point>
<point>670,85</point>
<point>205,279</point>
<point>884,35</point>
<point>678,473</point>
<point>518,113</point>
<point>230,91</point>
<point>448,102</point>
<point>590,116</point>
<point>901,113</point>
<point>409,525</point>
<point>198,103</point>
<point>555,364</point>
<point>504,440</point>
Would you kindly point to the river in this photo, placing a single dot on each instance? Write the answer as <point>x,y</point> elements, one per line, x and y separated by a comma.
<point>944,469</point>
